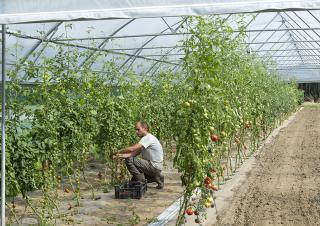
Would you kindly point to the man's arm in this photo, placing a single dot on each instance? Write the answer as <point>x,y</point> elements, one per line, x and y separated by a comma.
<point>128,151</point>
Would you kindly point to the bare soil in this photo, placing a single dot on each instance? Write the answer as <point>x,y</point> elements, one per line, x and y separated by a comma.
<point>283,188</point>
<point>106,210</point>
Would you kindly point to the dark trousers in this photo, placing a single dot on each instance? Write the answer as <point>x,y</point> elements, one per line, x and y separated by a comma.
<point>137,166</point>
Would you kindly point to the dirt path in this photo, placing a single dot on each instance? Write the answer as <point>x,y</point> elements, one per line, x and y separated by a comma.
<point>284,186</point>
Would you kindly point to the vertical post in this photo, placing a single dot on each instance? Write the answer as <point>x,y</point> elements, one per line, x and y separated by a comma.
<point>3,132</point>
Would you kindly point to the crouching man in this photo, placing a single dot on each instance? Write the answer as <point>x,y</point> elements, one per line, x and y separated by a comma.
<point>150,165</point>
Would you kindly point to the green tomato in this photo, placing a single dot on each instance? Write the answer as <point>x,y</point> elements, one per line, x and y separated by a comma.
<point>210,199</point>
<point>37,165</point>
<point>207,204</point>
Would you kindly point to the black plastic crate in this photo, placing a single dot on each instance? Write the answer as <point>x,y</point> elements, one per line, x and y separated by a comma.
<point>130,190</point>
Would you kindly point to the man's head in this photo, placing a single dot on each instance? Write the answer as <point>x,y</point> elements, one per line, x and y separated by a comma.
<point>142,128</point>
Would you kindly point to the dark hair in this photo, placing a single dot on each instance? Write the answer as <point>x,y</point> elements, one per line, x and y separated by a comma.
<point>144,124</point>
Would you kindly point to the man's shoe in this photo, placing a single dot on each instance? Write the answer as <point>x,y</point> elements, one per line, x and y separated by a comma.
<point>159,186</point>
<point>160,181</point>
<point>150,179</point>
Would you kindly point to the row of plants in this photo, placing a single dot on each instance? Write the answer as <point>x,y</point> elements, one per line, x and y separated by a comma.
<point>231,103</point>
<point>67,117</point>
<point>217,107</point>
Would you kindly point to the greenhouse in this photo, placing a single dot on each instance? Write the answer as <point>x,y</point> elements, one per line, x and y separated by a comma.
<point>229,88</point>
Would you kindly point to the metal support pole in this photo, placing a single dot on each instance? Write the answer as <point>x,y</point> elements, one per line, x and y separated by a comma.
<point>3,132</point>
<point>292,38</point>
<point>277,50</point>
<point>263,28</point>
<point>104,42</point>
<point>38,43</point>
<point>296,56</point>
<point>301,33</point>
<point>164,55</point>
<point>268,38</point>
<point>136,53</point>
<point>279,47</point>
<point>273,42</point>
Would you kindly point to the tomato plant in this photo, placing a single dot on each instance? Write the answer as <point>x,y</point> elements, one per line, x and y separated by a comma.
<point>209,116</point>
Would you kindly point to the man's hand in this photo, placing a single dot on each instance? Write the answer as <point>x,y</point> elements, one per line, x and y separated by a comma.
<point>121,156</point>
<point>127,152</point>
<point>115,156</point>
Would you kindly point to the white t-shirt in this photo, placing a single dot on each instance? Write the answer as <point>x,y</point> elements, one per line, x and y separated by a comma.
<point>152,150</point>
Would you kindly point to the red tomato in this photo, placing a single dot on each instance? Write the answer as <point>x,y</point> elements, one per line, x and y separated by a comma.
<point>208,180</point>
<point>214,188</point>
<point>214,138</point>
<point>189,211</point>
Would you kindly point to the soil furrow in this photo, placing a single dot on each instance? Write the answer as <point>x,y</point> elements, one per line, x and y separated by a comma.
<point>283,187</point>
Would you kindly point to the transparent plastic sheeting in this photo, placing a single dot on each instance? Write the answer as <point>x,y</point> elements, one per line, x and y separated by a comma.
<point>302,74</point>
<point>287,40</point>
<point>21,11</point>
<point>135,45</point>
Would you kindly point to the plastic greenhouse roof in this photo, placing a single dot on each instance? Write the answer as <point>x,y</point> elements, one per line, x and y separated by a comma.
<point>145,35</point>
